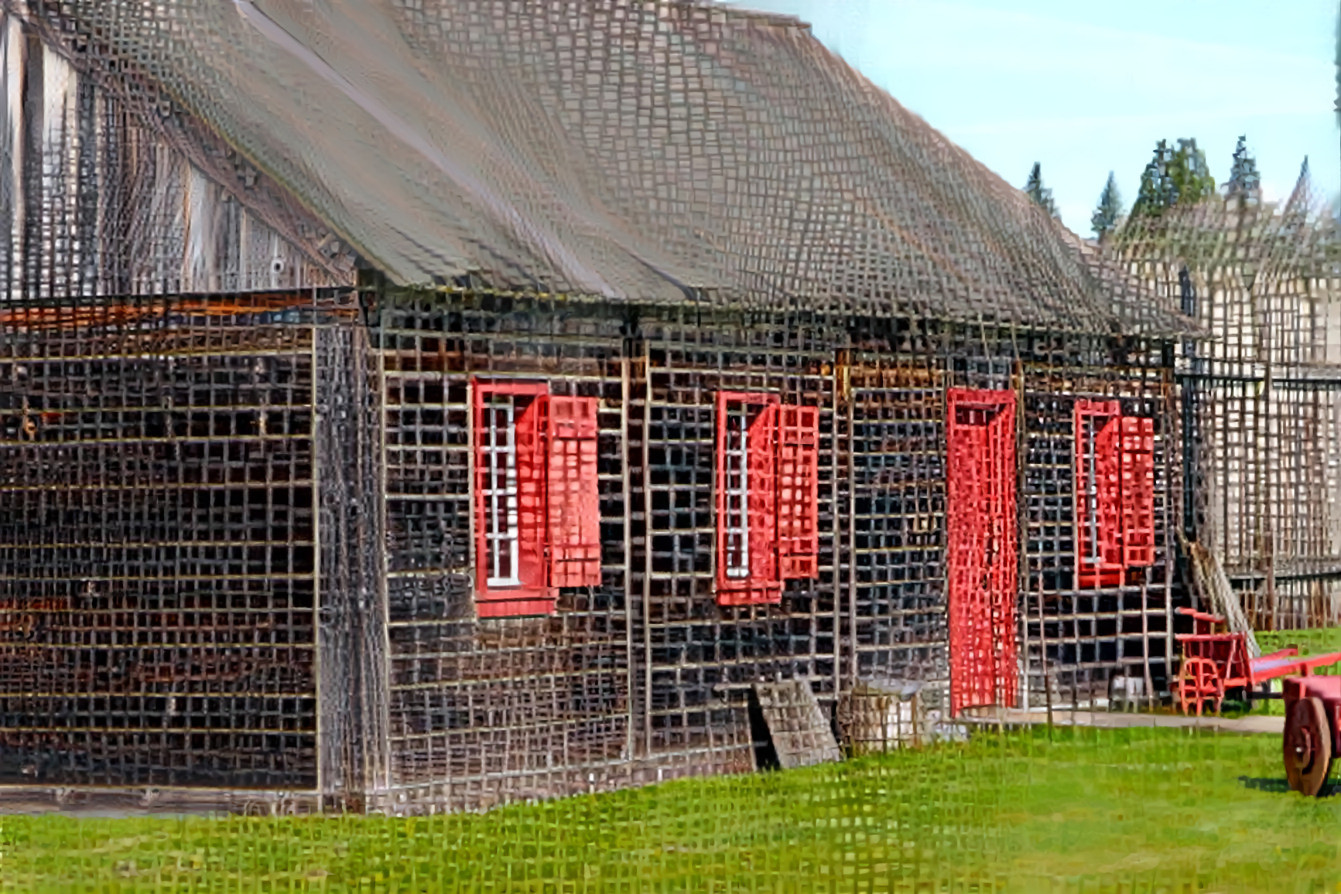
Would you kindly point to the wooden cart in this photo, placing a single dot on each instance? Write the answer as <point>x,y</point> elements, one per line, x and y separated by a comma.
<point>1312,720</point>
<point>1215,663</point>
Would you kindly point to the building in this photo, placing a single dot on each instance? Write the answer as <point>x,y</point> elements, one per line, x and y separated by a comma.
<point>418,406</point>
<point>1261,395</point>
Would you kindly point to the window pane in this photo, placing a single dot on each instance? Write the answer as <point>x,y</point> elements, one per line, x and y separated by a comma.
<point>500,494</point>
<point>737,487</point>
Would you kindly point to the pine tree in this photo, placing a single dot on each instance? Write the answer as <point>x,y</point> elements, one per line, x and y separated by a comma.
<point>1173,177</point>
<point>1190,175</point>
<point>1337,107</point>
<point>1040,196</point>
<point>1244,181</point>
<point>1109,210</point>
<point>1152,197</point>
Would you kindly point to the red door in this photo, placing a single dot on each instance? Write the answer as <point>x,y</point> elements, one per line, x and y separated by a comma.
<point>980,509</point>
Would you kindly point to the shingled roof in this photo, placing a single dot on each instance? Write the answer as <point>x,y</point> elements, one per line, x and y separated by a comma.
<point>608,148</point>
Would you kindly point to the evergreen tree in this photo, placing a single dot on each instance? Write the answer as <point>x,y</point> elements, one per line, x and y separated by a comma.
<point>1173,177</point>
<point>1109,210</point>
<point>1041,196</point>
<point>1337,107</point>
<point>1152,197</point>
<point>1244,181</point>
<point>1191,177</point>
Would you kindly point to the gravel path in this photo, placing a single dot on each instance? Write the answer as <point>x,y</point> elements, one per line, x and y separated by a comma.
<point>1253,723</point>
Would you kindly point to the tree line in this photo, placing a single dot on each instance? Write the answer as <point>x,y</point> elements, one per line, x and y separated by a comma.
<point>1176,175</point>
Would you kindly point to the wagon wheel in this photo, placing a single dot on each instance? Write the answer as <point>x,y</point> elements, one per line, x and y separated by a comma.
<point>1198,680</point>
<point>1308,746</point>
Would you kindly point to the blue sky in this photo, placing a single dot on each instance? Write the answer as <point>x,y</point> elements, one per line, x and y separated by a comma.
<point>1089,87</point>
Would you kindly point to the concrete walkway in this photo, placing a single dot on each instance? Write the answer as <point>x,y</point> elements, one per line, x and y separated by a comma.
<point>1254,723</point>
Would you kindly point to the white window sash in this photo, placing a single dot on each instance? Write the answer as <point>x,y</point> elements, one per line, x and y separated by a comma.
<point>501,502</point>
<point>737,485</point>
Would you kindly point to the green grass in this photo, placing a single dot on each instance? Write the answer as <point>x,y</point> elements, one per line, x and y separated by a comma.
<point>1093,810</point>
<point>1313,641</point>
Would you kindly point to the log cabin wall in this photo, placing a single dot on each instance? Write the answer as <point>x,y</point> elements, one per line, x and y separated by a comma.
<point>161,344</point>
<point>485,710</point>
<point>1080,634</point>
<point>281,418</point>
<point>158,537</point>
<point>649,675</point>
<point>698,657</point>
<point>894,436</point>
<point>896,603</point>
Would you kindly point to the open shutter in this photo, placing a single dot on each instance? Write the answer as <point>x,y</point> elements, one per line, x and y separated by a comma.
<point>1098,516</point>
<point>1138,491</point>
<point>531,494</point>
<point>574,501</point>
<point>763,500</point>
<point>798,492</point>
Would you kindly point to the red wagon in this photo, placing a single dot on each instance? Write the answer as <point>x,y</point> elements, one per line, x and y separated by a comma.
<point>1214,664</point>
<point>1312,719</point>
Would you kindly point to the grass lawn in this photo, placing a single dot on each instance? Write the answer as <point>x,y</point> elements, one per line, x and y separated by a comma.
<point>1314,641</point>
<point>1092,810</point>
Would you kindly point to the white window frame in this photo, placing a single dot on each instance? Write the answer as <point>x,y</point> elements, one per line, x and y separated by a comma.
<point>501,510</point>
<point>736,465</point>
<point>1091,434</point>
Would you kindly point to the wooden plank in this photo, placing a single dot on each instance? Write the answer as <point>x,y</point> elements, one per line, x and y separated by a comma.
<point>800,733</point>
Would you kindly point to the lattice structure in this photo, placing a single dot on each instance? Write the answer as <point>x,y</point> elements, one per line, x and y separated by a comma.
<point>1261,397</point>
<point>1082,632</point>
<point>540,690</point>
<point>398,415</point>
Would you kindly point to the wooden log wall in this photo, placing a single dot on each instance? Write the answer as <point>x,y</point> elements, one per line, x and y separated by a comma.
<point>649,672</point>
<point>1079,637</point>
<point>698,658</point>
<point>158,539</point>
<point>495,709</point>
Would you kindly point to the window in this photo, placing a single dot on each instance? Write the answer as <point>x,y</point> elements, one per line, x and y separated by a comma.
<point>537,510</point>
<point>1114,493</point>
<point>767,495</point>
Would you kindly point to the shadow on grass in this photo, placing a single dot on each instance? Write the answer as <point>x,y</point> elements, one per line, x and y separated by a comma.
<point>1281,786</point>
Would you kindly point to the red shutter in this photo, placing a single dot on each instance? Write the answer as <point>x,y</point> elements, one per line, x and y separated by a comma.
<point>763,499</point>
<point>532,595</point>
<point>798,492</point>
<point>1098,496</point>
<point>1138,491</point>
<point>532,493</point>
<point>574,501</point>
<point>720,497</point>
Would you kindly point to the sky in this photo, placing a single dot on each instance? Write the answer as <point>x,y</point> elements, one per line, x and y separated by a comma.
<point>1085,88</point>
